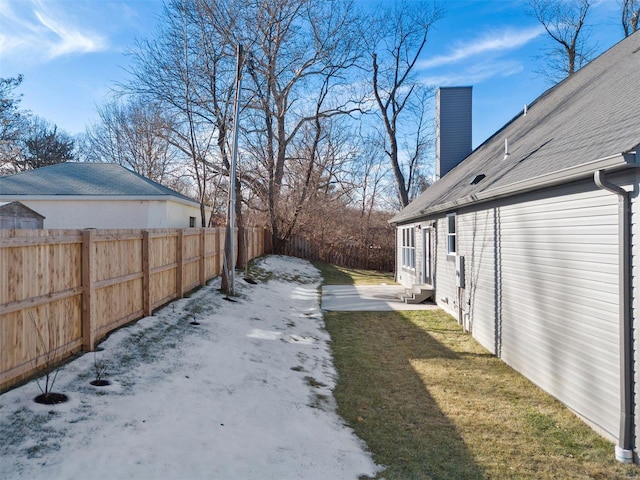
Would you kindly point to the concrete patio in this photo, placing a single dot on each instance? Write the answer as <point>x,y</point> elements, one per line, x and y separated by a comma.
<point>367,298</point>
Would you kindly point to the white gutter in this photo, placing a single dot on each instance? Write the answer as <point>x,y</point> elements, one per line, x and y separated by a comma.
<point>571,174</point>
<point>624,448</point>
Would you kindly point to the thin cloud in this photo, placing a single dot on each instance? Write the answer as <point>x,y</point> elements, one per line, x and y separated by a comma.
<point>476,73</point>
<point>66,39</point>
<point>490,43</point>
<point>43,31</point>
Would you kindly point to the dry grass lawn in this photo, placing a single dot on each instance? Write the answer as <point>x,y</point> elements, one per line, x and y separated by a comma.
<point>430,402</point>
<point>335,275</point>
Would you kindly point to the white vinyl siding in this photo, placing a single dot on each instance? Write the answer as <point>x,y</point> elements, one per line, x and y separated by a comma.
<point>542,292</point>
<point>476,240</point>
<point>445,271</point>
<point>559,299</point>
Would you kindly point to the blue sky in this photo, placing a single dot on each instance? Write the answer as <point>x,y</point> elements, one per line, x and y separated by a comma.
<point>71,52</point>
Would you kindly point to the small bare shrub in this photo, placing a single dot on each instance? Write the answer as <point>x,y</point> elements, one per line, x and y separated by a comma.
<point>47,361</point>
<point>100,370</point>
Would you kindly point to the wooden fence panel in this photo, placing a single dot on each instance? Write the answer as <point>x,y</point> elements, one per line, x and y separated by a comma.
<point>191,257</point>
<point>212,253</point>
<point>118,281</point>
<point>64,290</point>
<point>163,258</point>
<point>354,256</point>
<point>40,300</point>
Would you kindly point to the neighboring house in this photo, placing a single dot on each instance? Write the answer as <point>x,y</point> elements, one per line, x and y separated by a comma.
<point>99,195</point>
<point>16,215</point>
<point>531,241</point>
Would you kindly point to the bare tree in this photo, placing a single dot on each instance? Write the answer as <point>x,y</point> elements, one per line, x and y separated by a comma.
<point>43,144</point>
<point>219,23</point>
<point>301,52</point>
<point>13,122</point>
<point>630,16</point>
<point>564,22</point>
<point>135,134</point>
<point>297,77</point>
<point>169,70</point>
<point>396,43</point>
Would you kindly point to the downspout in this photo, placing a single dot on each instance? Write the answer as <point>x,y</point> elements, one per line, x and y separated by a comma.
<point>624,449</point>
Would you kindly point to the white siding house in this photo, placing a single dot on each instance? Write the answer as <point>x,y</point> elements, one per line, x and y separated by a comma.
<point>99,195</point>
<point>535,243</point>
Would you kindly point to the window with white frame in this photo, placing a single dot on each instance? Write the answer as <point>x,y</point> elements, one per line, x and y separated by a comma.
<point>451,234</point>
<point>409,247</point>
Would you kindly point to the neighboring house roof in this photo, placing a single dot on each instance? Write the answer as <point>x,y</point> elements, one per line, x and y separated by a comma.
<point>588,121</point>
<point>85,179</point>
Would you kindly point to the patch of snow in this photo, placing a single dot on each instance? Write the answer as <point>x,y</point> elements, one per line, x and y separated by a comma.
<point>264,334</point>
<point>218,400</point>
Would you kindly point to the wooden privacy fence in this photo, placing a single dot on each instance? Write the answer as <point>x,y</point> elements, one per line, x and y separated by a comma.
<point>355,256</point>
<point>64,290</point>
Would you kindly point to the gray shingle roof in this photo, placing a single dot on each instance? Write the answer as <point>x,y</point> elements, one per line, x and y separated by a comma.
<point>590,116</point>
<point>106,179</point>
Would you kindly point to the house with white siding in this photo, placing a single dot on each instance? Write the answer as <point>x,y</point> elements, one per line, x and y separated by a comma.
<point>531,239</point>
<point>99,195</point>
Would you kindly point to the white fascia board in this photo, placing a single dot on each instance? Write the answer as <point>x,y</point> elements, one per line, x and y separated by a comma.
<point>559,177</point>
<point>88,198</point>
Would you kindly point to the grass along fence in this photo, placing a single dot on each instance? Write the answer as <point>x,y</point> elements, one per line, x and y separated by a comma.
<point>64,290</point>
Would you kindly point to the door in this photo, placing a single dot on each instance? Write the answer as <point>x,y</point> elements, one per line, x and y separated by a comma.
<point>426,256</point>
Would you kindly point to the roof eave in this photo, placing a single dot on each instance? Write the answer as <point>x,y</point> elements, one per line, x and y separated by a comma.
<point>614,162</point>
<point>161,197</point>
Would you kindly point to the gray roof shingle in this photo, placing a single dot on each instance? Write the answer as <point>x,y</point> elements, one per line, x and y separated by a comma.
<point>106,179</point>
<point>591,116</point>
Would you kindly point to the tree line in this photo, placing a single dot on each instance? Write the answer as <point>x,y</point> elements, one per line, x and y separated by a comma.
<point>334,123</point>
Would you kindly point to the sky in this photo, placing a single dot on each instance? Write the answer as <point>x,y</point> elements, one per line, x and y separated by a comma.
<point>247,394</point>
<point>72,52</point>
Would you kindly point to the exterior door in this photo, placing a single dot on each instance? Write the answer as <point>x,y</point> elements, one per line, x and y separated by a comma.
<point>426,256</point>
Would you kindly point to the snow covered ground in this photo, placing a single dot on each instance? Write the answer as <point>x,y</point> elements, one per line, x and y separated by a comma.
<point>247,394</point>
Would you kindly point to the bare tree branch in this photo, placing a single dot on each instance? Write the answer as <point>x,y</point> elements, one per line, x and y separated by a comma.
<point>564,22</point>
<point>401,36</point>
<point>630,15</point>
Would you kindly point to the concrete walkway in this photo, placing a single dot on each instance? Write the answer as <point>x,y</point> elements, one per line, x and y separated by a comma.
<point>367,298</point>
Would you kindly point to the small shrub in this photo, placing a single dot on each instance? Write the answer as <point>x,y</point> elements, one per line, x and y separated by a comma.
<point>100,371</point>
<point>47,360</point>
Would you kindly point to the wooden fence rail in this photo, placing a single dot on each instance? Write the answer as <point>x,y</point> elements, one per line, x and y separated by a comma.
<point>73,287</point>
<point>381,258</point>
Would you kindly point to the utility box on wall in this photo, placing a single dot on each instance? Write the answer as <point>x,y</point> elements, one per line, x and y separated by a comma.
<point>460,271</point>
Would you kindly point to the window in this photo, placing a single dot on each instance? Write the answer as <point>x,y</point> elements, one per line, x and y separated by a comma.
<point>409,247</point>
<point>192,221</point>
<point>451,234</point>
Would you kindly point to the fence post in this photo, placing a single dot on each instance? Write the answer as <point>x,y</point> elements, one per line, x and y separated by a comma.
<point>88,337</point>
<point>180,262</point>
<point>146,273</point>
<point>203,278</point>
